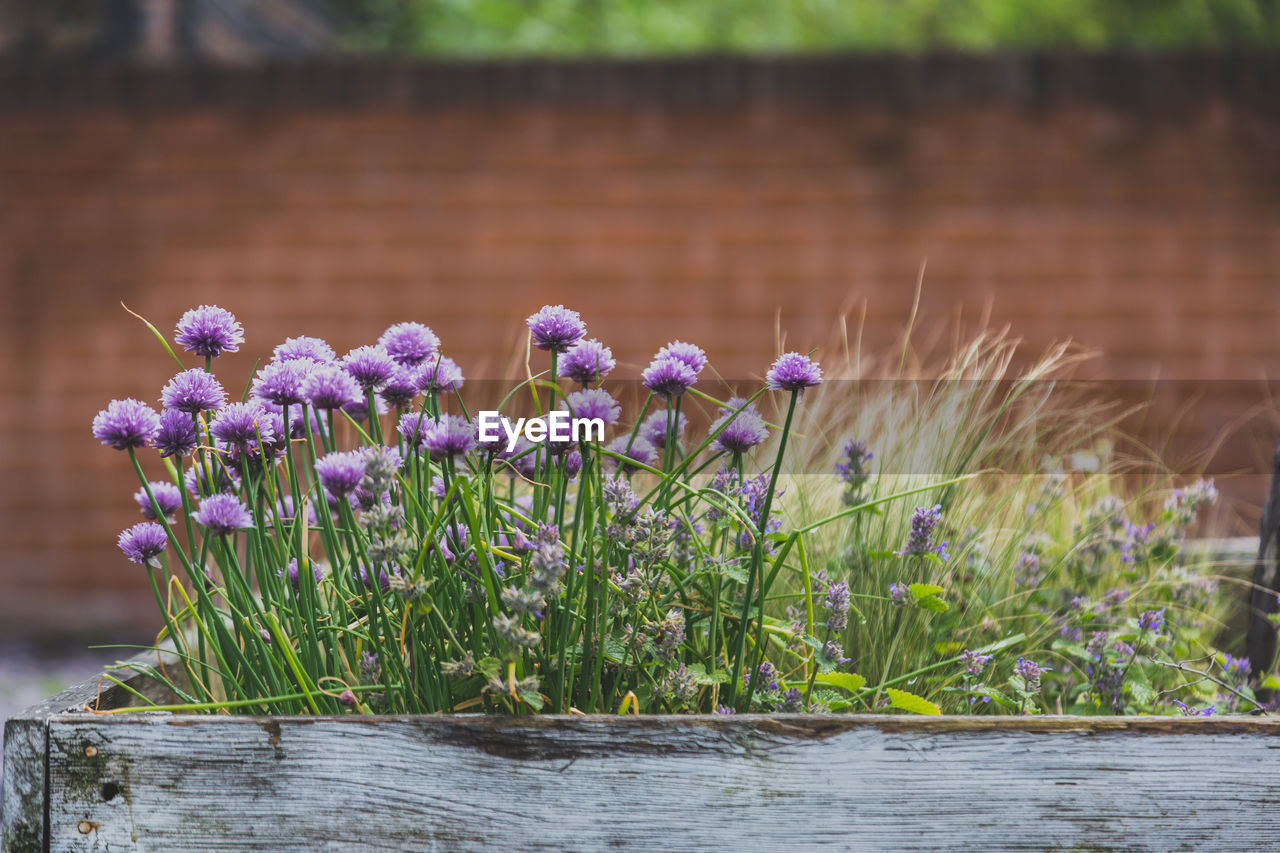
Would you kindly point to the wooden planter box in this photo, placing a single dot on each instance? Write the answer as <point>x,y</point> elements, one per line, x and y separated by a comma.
<point>158,781</point>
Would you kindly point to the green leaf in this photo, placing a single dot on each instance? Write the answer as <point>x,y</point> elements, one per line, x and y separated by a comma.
<point>932,602</point>
<point>614,650</point>
<point>532,698</point>
<point>1271,682</point>
<point>911,702</point>
<point>924,590</point>
<point>1140,687</point>
<point>878,555</point>
<point>489,667</point>
<point>701,676</point>
<point>735,571</point>
<point>849,681</point>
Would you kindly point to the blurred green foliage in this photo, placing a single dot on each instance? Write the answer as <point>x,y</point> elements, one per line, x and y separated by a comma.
<point>673,27</point>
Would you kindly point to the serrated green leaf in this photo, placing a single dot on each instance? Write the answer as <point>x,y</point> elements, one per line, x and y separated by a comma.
<point>924,590</point>
<point>911,702</point>
<point>849,681</point>
<point>1140,687</point>
<point>489,666</point>
<point>735,571</point>
<point>932,602</point>
<point>701,676</point>
<point>614,650</point>
<point>532,698</point>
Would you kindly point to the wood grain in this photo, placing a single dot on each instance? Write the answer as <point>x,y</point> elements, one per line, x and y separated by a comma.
<point>167,782</point>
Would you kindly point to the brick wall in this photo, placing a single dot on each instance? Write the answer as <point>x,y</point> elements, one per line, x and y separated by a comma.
<point>1132,205</point>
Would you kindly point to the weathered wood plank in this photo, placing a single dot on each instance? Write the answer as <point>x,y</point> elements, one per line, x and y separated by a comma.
<point>165,782</point>
<point>22,813</point>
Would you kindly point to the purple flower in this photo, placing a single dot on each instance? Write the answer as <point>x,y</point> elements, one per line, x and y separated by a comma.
<point>371,367</point>
<point>306,349</point>
<point>410,344</point>
<point>974,663</point>
<point>404,385</point>
<point>654,428</point>
<point>587,362</point>
<point>440,373</point>
<point>291,572</point>
<point>668,377</point>
<point>359,409</point>
<point>690,354</point>
<point>899,593</point>
<point>572,464</point>
<point>1151,620</point>
<point>143,543</point>
<point>924,520</point>
<point>222,514</point>
<point>1188,711</point>
<point>413,428</point>
<point>126,423</point>
<point>193,391</point>
<point>836,604</point>
<point>1236,667</point>
<point>280,382</point>
<point>742,431</point>
<point>1030,672</point>
<point>177,433</point>
<point>724,710</point>
<point>168,496</point>
<point>768,681</point>
<point>854,468</point>
<point>793,372</point>
<point>450,436</point>
<point>556,328</point>
<point>595,403</point>
<point>641,451</point>
<point>341,472</point>
<point>243,425</point>
<point>209,331</point>
<point>328,386</point>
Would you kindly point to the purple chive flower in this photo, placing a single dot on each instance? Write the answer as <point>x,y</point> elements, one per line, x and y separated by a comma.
<point>168,496</point>
<point>223,514</point>
<point>304,349</point>
<point>341,472</point>
<point>371,367</point>
<point>556,328</point>
<point>177,433</point>
<point>793,372</point>
<point>193,391</point>
<point>209,331</point>
<point>330,387</point>
<point>143,543</point>
<point>280,382</point>
<point>654,428</point>
<point>724,710</point>
<point>742,431</point>
<point>924,520</point>
<point>641,451</point>
<point>572,464</point>
<point>410,344</point>
<point>690,354</point>
<point>595,403</point>
<point>243,425</point>
<point>413,428</point>
<point>126,423</point>
<point>587,362</point>
<point>291,572</point>
<point>668,377</point>
<point>452,435</point>
<point>440,373</point>
<point>1151,620</point>
<point>402,387</point>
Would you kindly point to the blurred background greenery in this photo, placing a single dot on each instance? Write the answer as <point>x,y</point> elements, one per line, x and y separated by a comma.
<point>488,28</point>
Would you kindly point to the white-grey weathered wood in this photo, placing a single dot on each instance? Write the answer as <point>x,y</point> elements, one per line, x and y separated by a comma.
<point>166,782</point>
